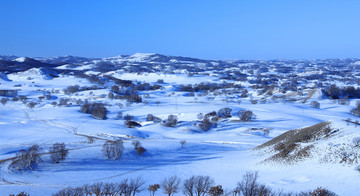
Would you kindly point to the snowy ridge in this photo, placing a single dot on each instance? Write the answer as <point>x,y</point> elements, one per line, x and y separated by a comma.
<point>35,73</point>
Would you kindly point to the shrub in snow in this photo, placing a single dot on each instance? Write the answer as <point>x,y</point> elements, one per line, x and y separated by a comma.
<point>246,115</point>
<point>206,124</point>
<point>21,194</point>
<point>216,190</point>
<point>253,101</point>
<point>150,117</point>
<point>132,124</point>
<point>15,99</point>
<point>140,150</point>
<point>71,89</point>
<point>31,105</point>
<point>27,159</point>
<point>23,98</point>
<point>211,114</point>
<point>138,147</point>
<point>4,100</point>
<point>171,185</point>
<point>128,117</point>
<point>266,131</point>
<point>315,104</point>
<point>171,121</point>
<point>197,185</point>
<point>113,149</point>
<point>58,152</point>
<point>111,95</point>
<point>54,103</point>
<point>225,113</point>
<point>322,192</point>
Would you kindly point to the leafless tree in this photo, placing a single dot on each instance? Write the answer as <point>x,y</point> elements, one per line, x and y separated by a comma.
<point>182,143</point>
<point>113,149</point>
<point>27,159</point>
<point>171,185</point>
<point>203,185</point>
<point>189,186</point>
<point>136,185</point>
<point>197,185</point>
<point>58,152</point>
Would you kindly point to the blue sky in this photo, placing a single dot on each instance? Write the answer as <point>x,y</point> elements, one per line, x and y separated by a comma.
<point>222,29</point>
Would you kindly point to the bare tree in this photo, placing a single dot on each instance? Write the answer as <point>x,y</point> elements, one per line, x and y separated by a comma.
<point>197,185</point>
<point>27,159</point>
<point>189,186</point>
<point>171,185</point>
<point>153,188</point>
<point>58,152</point>
<point>250,187</point>
<point>136,185</point>
<point>113,149</point>
<point>203,185</point>
<point>182,143</point>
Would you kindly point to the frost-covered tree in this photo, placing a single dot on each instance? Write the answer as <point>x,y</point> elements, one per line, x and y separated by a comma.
<point>58,152</point>
<point>113,149</point>
<point>27,158</point>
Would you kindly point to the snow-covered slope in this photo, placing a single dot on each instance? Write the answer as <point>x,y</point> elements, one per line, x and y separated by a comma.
<point>34,73</point>
<point>4,77</point>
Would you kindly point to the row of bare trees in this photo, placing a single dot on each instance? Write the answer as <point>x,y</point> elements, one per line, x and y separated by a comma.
<point>193,186</point>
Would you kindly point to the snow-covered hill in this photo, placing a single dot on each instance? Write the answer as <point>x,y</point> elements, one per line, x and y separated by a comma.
<point>289,120</point>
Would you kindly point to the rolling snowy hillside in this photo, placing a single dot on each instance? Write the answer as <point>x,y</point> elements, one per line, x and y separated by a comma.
<point>293,122</point>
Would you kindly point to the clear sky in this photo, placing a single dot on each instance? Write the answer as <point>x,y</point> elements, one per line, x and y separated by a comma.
<point>211,29</point>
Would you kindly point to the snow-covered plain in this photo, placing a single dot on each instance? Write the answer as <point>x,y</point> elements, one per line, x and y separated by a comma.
<point>225,152</point>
